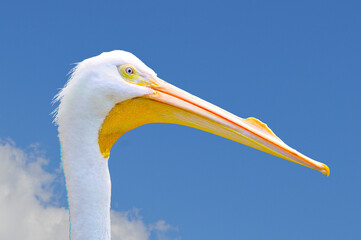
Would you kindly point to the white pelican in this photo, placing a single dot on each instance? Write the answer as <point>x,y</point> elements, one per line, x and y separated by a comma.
<point>115,92</point>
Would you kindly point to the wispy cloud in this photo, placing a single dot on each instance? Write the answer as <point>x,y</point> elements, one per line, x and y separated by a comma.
<point>29,210</point>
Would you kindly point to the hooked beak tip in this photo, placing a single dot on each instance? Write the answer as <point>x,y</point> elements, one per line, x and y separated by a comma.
<point>325,170</point>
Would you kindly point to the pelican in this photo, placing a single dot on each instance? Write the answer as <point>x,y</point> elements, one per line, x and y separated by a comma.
<point>115,92</point>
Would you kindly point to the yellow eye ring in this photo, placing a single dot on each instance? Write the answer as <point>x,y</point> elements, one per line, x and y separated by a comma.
<point>131,74</point>
<point>129,70</point>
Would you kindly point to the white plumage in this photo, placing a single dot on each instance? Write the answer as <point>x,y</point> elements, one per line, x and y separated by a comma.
<point>97,86</point>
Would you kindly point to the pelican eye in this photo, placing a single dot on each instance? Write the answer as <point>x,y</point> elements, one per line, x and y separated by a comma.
<point>131,74</point>
<point>129,70</point>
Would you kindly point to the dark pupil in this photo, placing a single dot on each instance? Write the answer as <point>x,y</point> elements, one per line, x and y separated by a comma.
<point>130,70</point>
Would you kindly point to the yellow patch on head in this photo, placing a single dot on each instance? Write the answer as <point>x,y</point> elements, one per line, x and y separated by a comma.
<point>131,74</point>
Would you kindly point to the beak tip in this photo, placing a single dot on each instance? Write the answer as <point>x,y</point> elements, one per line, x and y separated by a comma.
<point>325,170</point>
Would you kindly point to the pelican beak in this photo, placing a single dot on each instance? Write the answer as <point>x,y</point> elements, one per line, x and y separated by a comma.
<point>192,111</point>
<point>169,104</point>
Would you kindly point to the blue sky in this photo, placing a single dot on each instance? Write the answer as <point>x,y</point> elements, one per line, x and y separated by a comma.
<point>293,65</point>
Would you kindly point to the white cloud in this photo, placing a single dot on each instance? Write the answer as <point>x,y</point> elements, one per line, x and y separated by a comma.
<point>29,209</point>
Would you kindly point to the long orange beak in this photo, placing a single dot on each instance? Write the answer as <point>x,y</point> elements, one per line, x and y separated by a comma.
<point>169,104</point>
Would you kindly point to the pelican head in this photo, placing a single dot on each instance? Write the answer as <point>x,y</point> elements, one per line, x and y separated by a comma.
<point>118,92</point>
<point>115,92</point>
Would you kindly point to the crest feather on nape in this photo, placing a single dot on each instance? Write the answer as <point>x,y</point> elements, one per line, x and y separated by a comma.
<point>116,57</point>
<point>62,92</point>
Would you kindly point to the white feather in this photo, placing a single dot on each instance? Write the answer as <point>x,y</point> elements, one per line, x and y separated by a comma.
<point>95,86</point>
